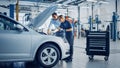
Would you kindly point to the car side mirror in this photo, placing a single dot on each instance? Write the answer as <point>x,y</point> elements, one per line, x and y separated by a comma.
<point>19,28</point>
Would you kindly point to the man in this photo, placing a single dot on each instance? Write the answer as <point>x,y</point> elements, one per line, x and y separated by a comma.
<point>54,24</point>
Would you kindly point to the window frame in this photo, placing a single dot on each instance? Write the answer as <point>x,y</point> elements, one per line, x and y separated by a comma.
<point>11,21</point>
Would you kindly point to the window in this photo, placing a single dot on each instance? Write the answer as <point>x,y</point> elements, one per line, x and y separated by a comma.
<point>7,24</point>
<point>1,26</point>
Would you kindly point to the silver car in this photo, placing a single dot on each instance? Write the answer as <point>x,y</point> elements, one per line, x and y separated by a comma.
<point>20,43</point>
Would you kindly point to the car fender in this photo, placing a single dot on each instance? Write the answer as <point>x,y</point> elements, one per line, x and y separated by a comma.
<point>48,39</point>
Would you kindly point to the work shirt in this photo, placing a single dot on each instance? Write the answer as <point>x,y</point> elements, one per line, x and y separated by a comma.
<point>66,25</point>
<point>69,34</point>
<point>54,24</point>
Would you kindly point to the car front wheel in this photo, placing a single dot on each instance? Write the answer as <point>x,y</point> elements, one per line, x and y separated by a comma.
<point>48,56</point>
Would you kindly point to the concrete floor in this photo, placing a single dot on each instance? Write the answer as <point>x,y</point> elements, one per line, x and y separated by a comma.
<point>80,59</point>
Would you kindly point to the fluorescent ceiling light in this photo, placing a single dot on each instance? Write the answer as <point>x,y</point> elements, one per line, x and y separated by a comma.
<point>105,2</point>
<point>92,0</point>
<point>85,7</point>
<point>59,4</point>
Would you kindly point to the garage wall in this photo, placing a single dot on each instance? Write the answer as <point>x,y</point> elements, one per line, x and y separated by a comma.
<point>104,11</point>
<point>4,10</point>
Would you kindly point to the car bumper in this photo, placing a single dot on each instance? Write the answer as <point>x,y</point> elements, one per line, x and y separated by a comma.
<point>65,51</point>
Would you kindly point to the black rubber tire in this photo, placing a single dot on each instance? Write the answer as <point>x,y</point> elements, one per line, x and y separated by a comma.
<point>40,51</point>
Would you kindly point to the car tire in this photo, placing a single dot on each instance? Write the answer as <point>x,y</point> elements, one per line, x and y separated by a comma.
<point>48,55</point>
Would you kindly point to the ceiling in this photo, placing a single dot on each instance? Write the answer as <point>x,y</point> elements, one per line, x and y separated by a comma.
<point>66,2</point>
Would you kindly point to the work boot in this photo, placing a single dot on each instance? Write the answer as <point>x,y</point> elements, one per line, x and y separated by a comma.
<point>69,59</point>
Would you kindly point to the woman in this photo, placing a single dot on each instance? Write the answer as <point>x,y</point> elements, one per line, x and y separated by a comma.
<point>68,34</point>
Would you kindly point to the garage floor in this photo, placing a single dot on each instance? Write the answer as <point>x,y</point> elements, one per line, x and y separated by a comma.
<point>80,59</point>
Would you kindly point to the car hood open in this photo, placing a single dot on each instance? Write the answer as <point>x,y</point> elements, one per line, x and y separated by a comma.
<point>42,17</point>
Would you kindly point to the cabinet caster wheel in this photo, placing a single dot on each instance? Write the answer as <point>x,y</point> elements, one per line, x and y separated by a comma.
<point>91,57</point>
<point>106,58</point>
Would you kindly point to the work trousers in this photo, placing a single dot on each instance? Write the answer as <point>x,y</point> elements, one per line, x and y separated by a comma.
<point>70,39</point>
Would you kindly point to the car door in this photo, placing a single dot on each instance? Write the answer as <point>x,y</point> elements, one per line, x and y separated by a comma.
<point>14,44</point>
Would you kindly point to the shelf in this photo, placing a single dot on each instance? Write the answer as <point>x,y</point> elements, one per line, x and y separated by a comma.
<point>97,42</point>
<point>97,50</point>
<point>97,46</point>
<point>96,36</point>
<point>98,33</point>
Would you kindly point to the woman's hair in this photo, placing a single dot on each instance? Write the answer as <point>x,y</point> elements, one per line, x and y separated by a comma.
<point>67,17</point>
<point>60,17</point>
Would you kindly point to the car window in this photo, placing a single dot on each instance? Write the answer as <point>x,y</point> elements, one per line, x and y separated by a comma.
<point>7,24</point>
<point>1,26</point>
